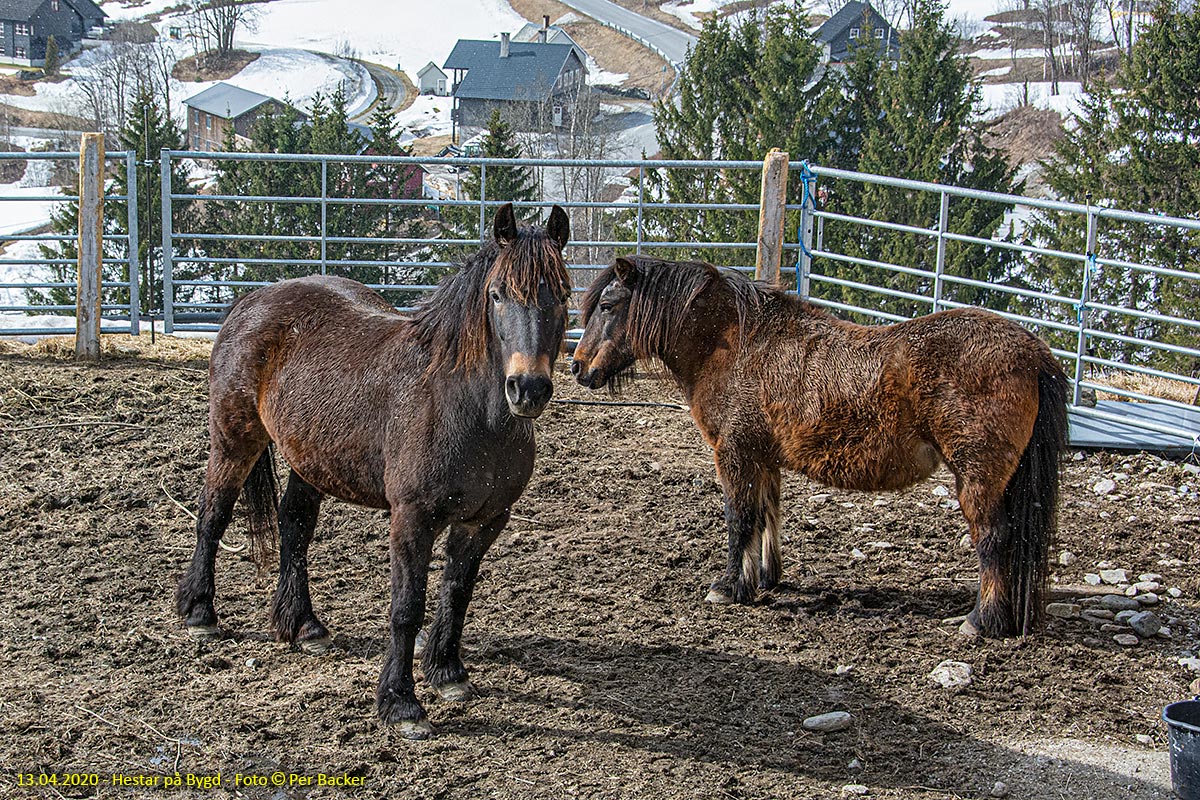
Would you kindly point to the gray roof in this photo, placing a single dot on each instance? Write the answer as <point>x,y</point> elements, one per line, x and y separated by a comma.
<point>528,73</point>
<point>421,72</point>
<point>554,35</point>
<point>846,16</point>
<point>226,100</point>
<point>24,9</point>
<point>19,9</point>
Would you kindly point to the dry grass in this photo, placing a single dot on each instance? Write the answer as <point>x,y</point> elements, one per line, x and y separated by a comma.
<point>10,84</point>
<point>612,51</point>
<point>211,66</point>
<point>1026,134</point>
<point>1151,385</point>
<point>24,118</point>
<point>430,145</point>
<point>164,348</point>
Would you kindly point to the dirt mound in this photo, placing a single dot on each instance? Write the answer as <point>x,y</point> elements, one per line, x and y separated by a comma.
<point>1026,134</point>
<point>603,674</point>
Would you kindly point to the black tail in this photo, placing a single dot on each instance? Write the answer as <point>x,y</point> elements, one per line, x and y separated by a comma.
<point>1031,499</point>
<point>260,498</point>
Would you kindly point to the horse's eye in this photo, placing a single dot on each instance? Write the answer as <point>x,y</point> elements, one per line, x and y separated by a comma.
<point>606,307</point>
<point>495,296</point>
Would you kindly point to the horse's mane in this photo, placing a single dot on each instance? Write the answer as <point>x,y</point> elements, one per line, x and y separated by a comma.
<point>453,323</point>
<point>662,297</point>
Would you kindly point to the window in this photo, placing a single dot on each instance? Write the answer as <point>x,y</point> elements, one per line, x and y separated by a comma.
<point>54,5</point>
<point>21,29</point>
<point>20,53</point>
<point>879,33</point>
<point>854,33</point>
<point>208,120</point>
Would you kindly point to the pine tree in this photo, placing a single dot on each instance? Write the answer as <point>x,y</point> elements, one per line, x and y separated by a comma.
<point>50,63</point>
<point>1135,144</point>
<point>918,124</point>
<point>147,130</point>
<point>514,184</point>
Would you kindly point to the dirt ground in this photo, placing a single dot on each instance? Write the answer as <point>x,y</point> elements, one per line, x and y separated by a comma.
<point>603,674</point>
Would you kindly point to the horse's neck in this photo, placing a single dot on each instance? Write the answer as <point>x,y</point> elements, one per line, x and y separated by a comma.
<point>710,333</point>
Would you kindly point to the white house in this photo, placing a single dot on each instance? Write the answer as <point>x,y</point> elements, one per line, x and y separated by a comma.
<point>431,80</point>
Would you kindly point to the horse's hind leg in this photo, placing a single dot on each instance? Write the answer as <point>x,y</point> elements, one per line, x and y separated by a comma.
<point>743,485</point>
<point>994,613</point>
<point>772,544</point>
<point>291,611</point>
<point>442,659</point>
<point>227,471</point>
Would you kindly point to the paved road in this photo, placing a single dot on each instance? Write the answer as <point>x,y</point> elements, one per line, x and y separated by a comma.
<point>388,84</point>
<point>671,41</point>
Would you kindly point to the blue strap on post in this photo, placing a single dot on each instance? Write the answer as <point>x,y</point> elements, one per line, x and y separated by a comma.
<point>807,176</point>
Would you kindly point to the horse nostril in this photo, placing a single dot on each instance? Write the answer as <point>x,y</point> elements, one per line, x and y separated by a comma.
<point>575,367</point>
<point>512,389</point>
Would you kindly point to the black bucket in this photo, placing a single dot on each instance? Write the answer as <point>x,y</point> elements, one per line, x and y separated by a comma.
<point>1183,737</point>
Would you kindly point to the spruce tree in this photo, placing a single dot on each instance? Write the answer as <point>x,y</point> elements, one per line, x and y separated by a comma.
<point>1135,144</point>
<point>50,63</point>
<point>514,184</point>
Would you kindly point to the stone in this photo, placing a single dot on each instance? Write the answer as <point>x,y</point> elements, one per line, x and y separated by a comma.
<point>1063,610</point>
<point>880,545</point>
<point>819,499</point>
<point>1098,615</point>
<point>828,723</point>
<point>858,555</point>
<point>999,789</point>
<point>1147,599</point>
<point>952,674</point>
<point>941,491</point>
<point>252,663</point>
<point>1149,576</point>
<point>1067,558</point>
<point>854,766</point>
<point>1126,640</point>
<point>1092,579</point>
<point>965,542</point>
<point>1114,627</point>
<point>1116,602</point>
<point>1192,663</point>
<point>843,669</point>
<point>655,466</point>
<point>1105,486</point>
<point>1123,616</point>
<point>1130,591</point>
<point>855,789</point>
<point>1164,632</point>
<point>1145,739</point>
<point>1145,624</point>
<point>1175,591</point>
<point>1114,576</point>
<point>1145,586</point>
<point>1194,687</point>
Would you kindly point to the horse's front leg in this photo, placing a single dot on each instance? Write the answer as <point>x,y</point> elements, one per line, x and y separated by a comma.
<point>412,533</point>
<point>442,659</point>
<point>743,485</point>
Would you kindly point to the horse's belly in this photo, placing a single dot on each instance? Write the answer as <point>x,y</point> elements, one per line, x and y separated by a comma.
<point>865,463</point>
<point>356,477</point>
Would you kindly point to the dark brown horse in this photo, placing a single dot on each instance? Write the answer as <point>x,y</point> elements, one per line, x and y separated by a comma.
<point>430,416</point>
<point>773,381</point>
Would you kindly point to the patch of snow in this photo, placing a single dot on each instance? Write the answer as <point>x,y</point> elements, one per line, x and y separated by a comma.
<point>996,73</point>
<point>118,11</point>
<point>428,115</point>
<point>12,270</point>
<point>405,34</point>
<point>999,98</point>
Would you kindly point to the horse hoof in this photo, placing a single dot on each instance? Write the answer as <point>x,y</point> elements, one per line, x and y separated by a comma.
<point>315,647</point>
<point>459,692</point>
<point>202,632</point>
<point>420,642</point>
<point>718,597</point>
<point>969,628</point>
<point>415,729</point>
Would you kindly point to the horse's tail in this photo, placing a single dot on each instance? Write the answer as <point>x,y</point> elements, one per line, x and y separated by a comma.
<point>1031,498</point>
<point>260,498</point>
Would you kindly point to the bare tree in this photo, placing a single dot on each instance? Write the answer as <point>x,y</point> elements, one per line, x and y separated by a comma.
<point>214,23</point>
<point>1083,16</point>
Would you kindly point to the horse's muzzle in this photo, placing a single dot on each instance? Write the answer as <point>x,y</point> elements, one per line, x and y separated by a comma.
<point>587,378</point>
<point>527,394</point>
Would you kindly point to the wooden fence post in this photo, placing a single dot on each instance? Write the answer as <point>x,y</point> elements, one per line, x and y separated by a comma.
<point>91,247</point>
<point>771,216</point>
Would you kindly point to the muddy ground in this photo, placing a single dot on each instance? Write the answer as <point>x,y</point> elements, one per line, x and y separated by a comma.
<point>603,674</point>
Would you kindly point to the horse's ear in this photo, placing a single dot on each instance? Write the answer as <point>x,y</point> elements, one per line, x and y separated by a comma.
<point>558,227</point>
<point>625,269</point>
<point>504,229</point>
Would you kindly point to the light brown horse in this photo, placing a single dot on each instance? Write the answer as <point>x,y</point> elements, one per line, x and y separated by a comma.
<point>429,416</point>
<point>775,382</point>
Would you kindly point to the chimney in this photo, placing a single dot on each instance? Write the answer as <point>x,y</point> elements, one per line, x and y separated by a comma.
<point>504,45</point>
<point>542,36</point>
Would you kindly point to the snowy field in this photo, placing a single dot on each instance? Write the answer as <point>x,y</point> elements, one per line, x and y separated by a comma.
<point>998,98</point>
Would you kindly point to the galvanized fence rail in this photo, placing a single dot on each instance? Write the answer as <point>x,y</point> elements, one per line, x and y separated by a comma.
<point>112,312</point>
<point>194,302</point>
